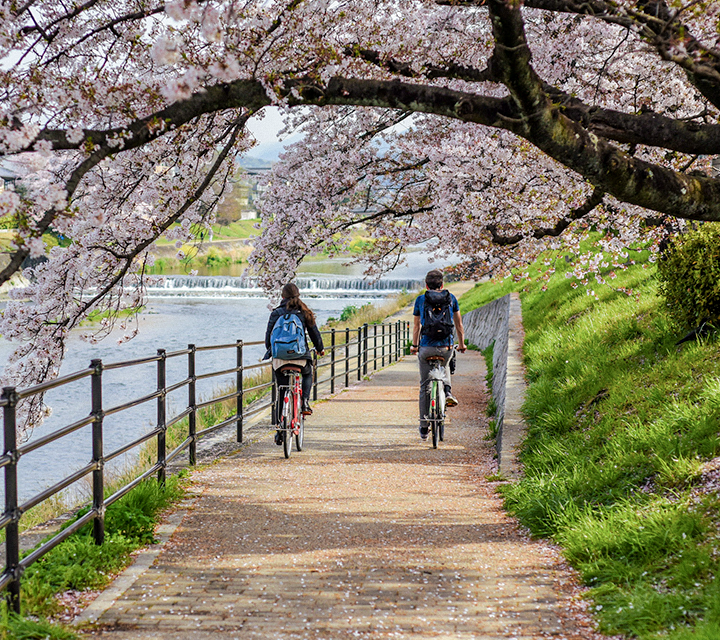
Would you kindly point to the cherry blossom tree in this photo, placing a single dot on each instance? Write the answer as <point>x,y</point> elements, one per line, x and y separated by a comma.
<point>492,129</point>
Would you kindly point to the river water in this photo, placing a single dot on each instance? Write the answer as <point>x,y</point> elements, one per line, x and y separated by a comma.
<point>208,310</point>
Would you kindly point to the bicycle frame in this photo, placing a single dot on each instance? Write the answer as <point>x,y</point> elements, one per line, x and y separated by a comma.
<point>436,397</point>
<point>292,402</point>
<point>437,388</point>
<point>289,412</point>
<point>436,404</point>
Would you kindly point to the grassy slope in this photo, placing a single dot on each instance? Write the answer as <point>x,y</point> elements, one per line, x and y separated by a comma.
<point>620,422</point>
<point>79,564</point>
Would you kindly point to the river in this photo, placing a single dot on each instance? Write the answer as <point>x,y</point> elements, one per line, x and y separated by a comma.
<point>217,309</point>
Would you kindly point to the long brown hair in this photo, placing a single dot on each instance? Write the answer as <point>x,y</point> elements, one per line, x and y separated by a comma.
<point>291,294</point>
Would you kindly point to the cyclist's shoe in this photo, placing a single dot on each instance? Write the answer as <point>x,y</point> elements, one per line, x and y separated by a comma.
<point>450,400</point>
<point>306,410</point>
<point>423,434</point>
<point>279,438</point>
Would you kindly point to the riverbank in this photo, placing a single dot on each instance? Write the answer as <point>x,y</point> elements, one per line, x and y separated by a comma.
<point>620,465</point>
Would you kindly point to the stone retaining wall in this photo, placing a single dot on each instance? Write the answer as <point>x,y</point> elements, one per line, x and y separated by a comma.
<point>501,321</point>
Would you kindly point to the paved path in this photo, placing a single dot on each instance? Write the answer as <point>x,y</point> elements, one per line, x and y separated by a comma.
<point>368,533</point>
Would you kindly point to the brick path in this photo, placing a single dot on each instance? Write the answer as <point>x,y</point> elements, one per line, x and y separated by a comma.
<point>368,533</point>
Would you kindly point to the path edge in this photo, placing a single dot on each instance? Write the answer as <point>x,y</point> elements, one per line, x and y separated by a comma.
<point>500,321</point>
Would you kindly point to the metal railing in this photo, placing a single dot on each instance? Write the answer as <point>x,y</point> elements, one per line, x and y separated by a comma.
<point>349,353</point>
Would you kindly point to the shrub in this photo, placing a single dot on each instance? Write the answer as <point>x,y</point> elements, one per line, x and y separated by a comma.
<point>348,312</point>
<point>689,276</point>
<point>214,259</point>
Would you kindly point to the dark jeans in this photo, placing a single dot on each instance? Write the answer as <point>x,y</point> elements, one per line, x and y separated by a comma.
<point>283,380</point>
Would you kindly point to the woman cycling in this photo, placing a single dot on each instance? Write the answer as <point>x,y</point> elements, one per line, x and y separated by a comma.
<point>291,303</point>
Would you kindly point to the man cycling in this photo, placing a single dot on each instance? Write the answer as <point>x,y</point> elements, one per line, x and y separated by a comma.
<point>433,337</point>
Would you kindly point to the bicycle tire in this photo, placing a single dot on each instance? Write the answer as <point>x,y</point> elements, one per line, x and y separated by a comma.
<point>286,426</point>
<point>434,412</point>
<point>301,433</point>
<point>441,413</point>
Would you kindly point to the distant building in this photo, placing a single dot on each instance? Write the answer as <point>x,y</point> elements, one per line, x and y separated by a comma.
<point>8,177</point>
<point>242,203</point>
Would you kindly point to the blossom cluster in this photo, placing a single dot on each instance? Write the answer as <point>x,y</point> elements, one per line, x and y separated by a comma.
<point>122,121</point>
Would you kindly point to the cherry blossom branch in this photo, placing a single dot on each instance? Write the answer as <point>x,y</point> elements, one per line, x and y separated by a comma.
<point>174,217</point>
<point>632,180</point>
<point>591,203</point>
<point>648,128</point>
<point>430,72</point>
<point>664,31</point>
<point>247,94</point>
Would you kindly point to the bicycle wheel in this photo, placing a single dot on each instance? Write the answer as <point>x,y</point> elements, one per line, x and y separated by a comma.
<point>286,425</point>
<point>434,412</point>
<point>301,433</point>
<point>299,417</point>
<point>441,412</point>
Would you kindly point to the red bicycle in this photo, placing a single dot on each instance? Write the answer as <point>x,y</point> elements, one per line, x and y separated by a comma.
<point>291,418</point>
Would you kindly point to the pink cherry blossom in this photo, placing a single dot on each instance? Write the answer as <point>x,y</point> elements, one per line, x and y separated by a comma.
<point>490,131</point>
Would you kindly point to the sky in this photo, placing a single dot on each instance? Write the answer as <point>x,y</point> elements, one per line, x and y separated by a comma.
<point>265,131</point>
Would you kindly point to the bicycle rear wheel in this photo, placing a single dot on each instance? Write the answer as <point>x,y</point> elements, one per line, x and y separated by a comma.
<point>286,423</point>
<point>441,412</point>
<point>434,413</point>
<point>299,437</point>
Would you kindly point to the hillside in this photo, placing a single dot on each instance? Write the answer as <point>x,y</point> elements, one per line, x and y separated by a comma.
<point>620,462</point>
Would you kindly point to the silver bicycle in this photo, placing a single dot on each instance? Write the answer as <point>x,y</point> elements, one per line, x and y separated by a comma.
<point>436,392</point>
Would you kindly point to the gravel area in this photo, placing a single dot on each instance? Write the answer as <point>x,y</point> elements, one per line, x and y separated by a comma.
<point>366,533</point>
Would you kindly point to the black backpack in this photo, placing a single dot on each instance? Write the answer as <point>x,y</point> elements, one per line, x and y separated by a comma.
<point>437,315</point>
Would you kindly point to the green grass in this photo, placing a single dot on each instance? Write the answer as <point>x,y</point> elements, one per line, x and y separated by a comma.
<point>485,292</point>
<point>238,230</point>
<point>620,421</point>
<point>491,409</point>
<point>79,564</point>
<point>353,317</point>
<point>14,627</point>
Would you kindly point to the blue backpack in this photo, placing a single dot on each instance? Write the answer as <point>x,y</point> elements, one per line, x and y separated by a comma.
<point>287,339</point>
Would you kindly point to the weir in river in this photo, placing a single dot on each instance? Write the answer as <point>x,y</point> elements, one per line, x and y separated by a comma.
<point>310,286</point>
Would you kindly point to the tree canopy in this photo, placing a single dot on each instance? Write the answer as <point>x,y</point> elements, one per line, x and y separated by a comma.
<point>490,128</point>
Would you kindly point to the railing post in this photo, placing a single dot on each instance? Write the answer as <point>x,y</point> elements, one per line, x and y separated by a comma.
<point>365,349</point>
<point>396,334</point>
<point>315,376</point>
<point>98,483</point>
<point>161,401</point>
<point>359,354</point>
<point>332,360</point>
<point>12,530</point>
<point>394,340</point>
<point>274,398</point>
<point>192,405</point>
<point>240,392</point>
<point>375,347</point>
<point>391,342</point>
<point>383,327</point>
<point>347,356</point>
<point>398,339</point>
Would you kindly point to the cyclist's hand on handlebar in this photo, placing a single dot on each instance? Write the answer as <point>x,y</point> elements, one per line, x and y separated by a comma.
<point>413,350</point>
<point>321,353</point>
<point>461,347</point>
